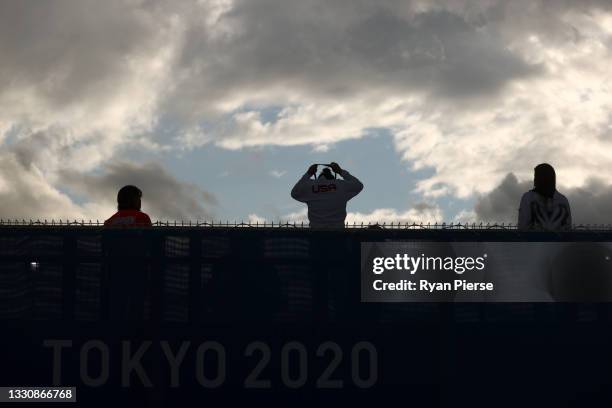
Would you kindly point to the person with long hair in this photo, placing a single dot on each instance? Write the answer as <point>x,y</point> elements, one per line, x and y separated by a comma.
<point>544,207</point>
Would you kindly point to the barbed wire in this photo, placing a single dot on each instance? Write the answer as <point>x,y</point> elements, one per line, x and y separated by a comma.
<point>289,224</point>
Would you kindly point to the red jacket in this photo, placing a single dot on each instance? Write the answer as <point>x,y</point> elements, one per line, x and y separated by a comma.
<point>128,218</point>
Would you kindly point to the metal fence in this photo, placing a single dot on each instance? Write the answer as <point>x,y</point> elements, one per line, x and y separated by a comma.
<point>291,224</point>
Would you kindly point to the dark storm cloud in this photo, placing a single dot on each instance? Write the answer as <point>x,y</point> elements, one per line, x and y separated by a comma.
<point>501,204</point>
<point>79,80</point>
<point>67,49</point>
<point>438,51</point>
<point>342,49</point>
<point>164,197</point>
<point>590,203</point>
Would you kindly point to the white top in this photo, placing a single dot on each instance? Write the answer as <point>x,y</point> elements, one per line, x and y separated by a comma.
<point>539,212</point>
<point>326,199</point>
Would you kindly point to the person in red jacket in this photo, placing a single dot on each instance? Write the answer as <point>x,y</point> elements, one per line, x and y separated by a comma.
<point>129,214</point>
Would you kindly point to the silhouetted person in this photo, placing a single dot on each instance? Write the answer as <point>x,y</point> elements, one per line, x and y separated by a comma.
<point>544,207</point>
<point>127,253</point>
<point>326,196</point>
<point>128,205</point>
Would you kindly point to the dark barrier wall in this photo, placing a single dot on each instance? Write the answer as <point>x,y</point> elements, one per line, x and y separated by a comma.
<point>200,275</point>
<point>274,316</point>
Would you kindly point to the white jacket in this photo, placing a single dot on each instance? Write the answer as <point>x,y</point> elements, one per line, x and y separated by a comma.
<point>540,212</point>
<point>326,199</point>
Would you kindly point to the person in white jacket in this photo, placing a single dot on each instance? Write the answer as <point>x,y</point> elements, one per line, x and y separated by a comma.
<point>326,196</point>
<point>544,207</point>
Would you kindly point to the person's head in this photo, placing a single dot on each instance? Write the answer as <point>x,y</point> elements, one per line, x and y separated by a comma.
<point>544,180</point>
<point>128,198</point>
<point>327,174</point>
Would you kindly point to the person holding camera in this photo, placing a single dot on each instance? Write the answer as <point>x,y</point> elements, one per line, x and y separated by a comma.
<point>326,195</point>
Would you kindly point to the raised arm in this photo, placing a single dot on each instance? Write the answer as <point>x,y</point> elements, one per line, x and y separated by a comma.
<point>301,189</point>
<point>352,184</point>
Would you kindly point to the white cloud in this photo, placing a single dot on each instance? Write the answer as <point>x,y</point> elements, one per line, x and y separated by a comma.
<point>471,90</point>
<point>256,219</point>
<point>420,213</point>
<point>78,82</point>
<point>278,173</point>
<point>465,217</point>
<point>300,216</point>
<point>25,193</point>
<point>164,197</point>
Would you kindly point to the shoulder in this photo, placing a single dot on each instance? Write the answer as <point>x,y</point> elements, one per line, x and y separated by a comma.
<point>115,215</point>
<point>561,198</point>
<point>143,217</point>
<point>529,196</point>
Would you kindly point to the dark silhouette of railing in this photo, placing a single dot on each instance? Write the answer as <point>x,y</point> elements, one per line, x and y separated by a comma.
<point>222,273</point>
<point>16,222</point>
<point>237,286</point>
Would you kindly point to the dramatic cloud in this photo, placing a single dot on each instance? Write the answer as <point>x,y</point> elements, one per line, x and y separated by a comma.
<point>502,203</point>
<point>470,90</point>
<point>590,204</point>
<point>79,79</point>
<point>164,197</point>
<point>27,194</point>
<point>77,82</point>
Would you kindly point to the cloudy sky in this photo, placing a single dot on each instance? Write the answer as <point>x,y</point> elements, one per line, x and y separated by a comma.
<point>216,107</point>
